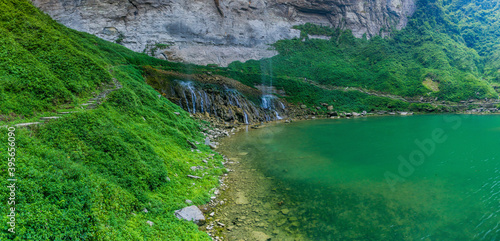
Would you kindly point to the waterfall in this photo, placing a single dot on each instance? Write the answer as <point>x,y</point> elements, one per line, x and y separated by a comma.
<point>188,93</point>
<point>201,102</point>
<point>237,102</point>
<point>278,117</point>
<point>246,117</point>
<point>193,96</point>
<point>267,101</point>
<point>282,105</point>
<point>189,86</point>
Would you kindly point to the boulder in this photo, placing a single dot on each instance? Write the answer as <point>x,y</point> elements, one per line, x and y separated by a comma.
<point>191,213</point>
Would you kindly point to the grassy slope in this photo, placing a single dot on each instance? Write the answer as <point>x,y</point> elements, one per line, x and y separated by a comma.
<point>89,175</point>
<point>442,42</point>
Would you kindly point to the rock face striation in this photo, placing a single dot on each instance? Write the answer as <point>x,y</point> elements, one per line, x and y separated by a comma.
<point>220,31</point>
<point>221,99</point>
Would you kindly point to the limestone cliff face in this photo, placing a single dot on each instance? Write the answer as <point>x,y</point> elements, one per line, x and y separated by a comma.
<point>220,31</point>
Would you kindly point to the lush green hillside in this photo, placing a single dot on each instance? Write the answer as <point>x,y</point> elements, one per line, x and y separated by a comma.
<point>90,175</point>
<point>445,45</point>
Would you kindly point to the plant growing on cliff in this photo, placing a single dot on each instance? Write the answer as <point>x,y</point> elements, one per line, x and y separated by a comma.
<point>120,38</point>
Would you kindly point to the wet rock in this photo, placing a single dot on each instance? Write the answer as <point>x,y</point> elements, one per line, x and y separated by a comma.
<point>191,213</point>
<point>333,114</point>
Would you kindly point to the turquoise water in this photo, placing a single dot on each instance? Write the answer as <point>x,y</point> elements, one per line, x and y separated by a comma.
<point>429,177</point>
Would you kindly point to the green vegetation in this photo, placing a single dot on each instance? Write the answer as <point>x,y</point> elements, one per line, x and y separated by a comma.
<point>455,47</point>
<point>90,175</point>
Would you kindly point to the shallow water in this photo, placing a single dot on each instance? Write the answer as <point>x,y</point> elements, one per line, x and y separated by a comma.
<point>428,177</point>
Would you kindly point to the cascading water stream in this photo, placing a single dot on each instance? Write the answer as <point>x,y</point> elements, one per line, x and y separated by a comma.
<point>246,117</point>
<point>227,105</point>
<point>278,117</point>
<point>282,105</point>
<point>202,103</point>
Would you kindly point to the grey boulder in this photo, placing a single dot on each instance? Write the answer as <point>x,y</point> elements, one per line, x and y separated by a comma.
<point>191,213</point>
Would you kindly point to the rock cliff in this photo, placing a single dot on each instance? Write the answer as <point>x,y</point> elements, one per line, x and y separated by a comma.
<point>217,98</point>
<point>220,31</point>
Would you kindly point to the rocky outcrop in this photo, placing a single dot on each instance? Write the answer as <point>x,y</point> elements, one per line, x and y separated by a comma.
<point>216,98</point>
<point>220,31</point>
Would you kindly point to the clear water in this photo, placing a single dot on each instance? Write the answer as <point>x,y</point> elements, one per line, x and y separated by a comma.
<point>367,179</point>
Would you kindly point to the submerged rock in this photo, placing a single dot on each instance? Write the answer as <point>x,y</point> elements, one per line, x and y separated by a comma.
<point>260,236</point>
<point>191,213</point>
<point>285,211</point>
<point>241,199</point>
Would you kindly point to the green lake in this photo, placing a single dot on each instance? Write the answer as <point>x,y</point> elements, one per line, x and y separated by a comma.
<point>424,177</point>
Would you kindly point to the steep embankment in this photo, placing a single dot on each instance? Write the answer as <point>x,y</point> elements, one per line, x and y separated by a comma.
<point>115,172</point>
<point>220,32</point>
